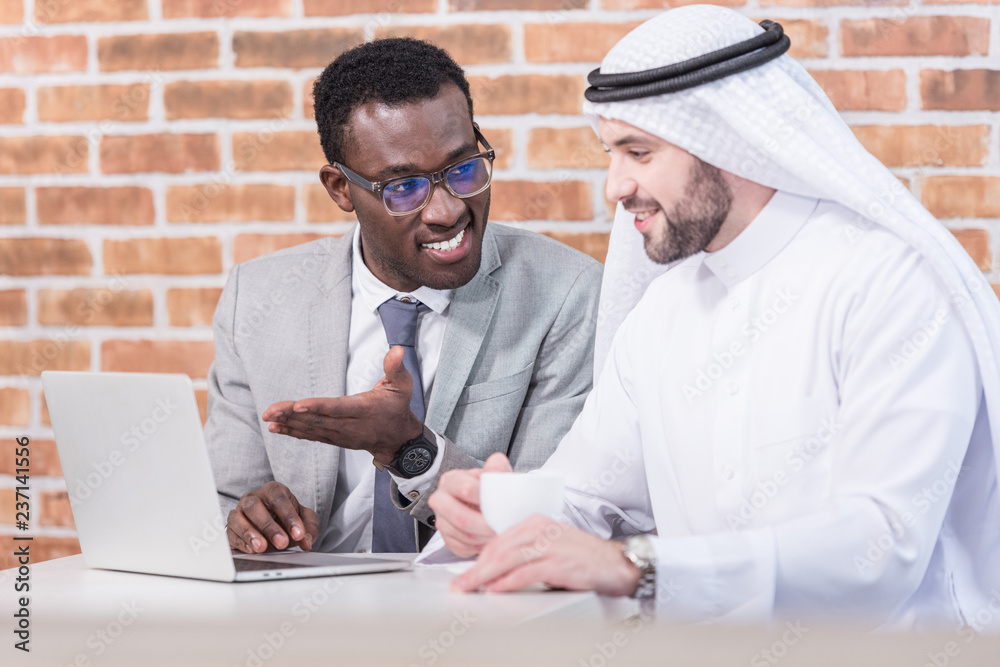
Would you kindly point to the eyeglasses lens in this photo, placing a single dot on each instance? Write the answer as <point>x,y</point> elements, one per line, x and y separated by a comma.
<point>465,179</point>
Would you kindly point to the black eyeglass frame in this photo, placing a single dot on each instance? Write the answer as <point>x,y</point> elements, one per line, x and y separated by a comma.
<point>377,187</point>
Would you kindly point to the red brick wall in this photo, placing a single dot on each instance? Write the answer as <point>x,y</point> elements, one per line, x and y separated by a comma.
<point>148,145</point>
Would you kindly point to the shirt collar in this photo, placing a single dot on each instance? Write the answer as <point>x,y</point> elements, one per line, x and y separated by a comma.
<point>773,228</point>
<point>374,292</point>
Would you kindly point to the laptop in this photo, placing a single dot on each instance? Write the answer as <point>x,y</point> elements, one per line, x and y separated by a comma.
<point>141,488</point>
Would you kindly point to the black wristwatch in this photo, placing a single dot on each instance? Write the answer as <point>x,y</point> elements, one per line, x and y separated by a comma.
<point>415,457</point>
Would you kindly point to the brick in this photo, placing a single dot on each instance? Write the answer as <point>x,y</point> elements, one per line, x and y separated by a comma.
<point>43,455</point>
<point>915,36</point>
<point>962,196</point>
<point>294,48</point>
<point>195,50</point>
<point>227,99</point>
<point>15,406</point>
<point>77,11</point>
<point>570,147</point>
<point>864,90</point>
<point>192,307</point>
<point>809,38</point>
<point>248,246</point>
<point>572,42</point>
<point>594,244</point>
<point>208,9</point>
<point>320,208</point>
<point>191,357</point>
<point>13,209</point>
<point>171,256</point>
<point>501,5</point>
<point>308,102</point>
<point>31,357</point>
<point>43,548</point>
<point>977,243</point>
<point>660,4</point>
<point>278,151</point>
<point>532,200</point>
<point>13,308</point>
<point>467,44</point>
<point>8,509</point>
<point>121,103</point>
<point>926,145</point>
<point>166,153</point>
<point>502,141</point>
<point>37,256</point>
<point>125,205</point>
<point>12,103</point>
<point>44,413</point>
<point>201,398</point>
<point>95,307</point>
<point>529,93</point>
<point>215,202</point>
<point>346,7</point>
<point>41,55</point>
<point>11,12</point>
<point>55,509</point>
<point>44,155</point>
<point>832,3</point>
<point>960,90</point>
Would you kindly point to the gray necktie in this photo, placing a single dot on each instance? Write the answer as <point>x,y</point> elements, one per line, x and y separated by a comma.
<point>392,528</point>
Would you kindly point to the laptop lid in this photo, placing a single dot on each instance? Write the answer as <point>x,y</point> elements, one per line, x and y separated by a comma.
<point>137,471</point>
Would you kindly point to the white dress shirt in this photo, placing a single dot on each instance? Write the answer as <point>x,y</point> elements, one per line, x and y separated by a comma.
<point>798,417</point>
<point>350,526</point>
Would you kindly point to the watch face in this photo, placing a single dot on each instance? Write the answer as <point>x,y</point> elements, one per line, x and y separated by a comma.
<point>416,460</point>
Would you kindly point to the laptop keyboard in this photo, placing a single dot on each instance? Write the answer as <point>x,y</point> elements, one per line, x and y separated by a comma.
<point>245,565</point>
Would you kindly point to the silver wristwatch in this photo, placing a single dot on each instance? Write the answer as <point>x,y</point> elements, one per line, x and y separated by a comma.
<point>639,551</point>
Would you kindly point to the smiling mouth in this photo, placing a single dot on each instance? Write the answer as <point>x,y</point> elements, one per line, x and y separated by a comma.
<point>642,215</point>
<point>448,245</point>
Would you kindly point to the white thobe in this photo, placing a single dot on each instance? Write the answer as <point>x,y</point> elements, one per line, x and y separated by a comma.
<point>792,416</point>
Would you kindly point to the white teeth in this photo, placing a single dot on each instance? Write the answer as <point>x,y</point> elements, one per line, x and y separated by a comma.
<point>642,216</point>
<point>446,245</point>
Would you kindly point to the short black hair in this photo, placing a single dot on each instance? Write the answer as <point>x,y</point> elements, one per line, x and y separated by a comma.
<point>392,71</point>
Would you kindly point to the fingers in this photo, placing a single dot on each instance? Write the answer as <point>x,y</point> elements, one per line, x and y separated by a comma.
<point>497,462</point>
<point>453,538</point>
<point>520,545</point>
<point>463,527</point>
<point>270,515</point>
<point>395,373</point>
<point>461,484</point>
<point>242,534</point>
<point>310,523</point>
<point>276,410</point>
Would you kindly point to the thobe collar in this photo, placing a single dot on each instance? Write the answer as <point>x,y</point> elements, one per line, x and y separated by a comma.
<point>773,228</point>
<point>374,292</point>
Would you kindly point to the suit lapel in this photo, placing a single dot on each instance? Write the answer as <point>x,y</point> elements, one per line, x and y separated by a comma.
<point>328,333</point>
<point>469,318</point>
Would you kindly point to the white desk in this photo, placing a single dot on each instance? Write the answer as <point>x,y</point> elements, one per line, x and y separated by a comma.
<point>93,617</point>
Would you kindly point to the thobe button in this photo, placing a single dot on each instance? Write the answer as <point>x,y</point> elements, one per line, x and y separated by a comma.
<point>431,520</point>
<point>734,303</point>
<point>413,495</point>
<point>728,474</point>
<point>733,389</point>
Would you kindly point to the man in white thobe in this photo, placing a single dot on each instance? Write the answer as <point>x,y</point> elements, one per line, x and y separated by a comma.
<point>798,372</point>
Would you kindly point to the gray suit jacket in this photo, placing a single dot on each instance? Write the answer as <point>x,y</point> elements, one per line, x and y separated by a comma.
<point>516,363</point>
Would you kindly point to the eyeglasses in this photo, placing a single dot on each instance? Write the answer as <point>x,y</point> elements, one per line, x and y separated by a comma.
<point>410,194</point>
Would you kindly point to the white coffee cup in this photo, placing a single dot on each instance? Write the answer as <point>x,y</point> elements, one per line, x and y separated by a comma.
<point>508,498</point>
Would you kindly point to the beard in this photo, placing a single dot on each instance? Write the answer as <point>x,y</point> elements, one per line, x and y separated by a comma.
<point>694,221</point>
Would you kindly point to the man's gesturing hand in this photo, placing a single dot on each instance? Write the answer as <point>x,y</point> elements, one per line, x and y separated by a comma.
<point>378,421</point>
<point>540,550</point>
<point>268,516</point>
<point>456,508</point>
